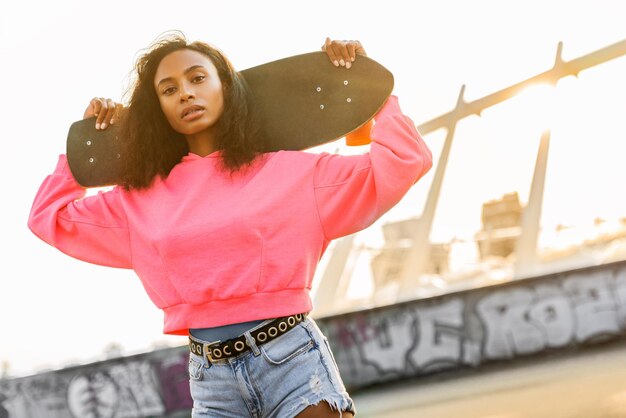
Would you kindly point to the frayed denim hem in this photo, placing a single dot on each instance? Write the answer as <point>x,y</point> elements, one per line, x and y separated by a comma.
<point>335,401</point>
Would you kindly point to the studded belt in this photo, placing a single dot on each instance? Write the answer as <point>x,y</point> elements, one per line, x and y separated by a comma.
<point>219,350</point>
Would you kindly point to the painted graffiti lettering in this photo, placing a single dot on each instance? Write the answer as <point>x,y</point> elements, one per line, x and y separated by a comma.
<point>391,333</point>
<point>620,294</point>
<point>412,339</point>
<point>480,325</point>
<point>552,315</point>
<point>508,329</point>
<point>595,307</point>
<point>438,341</point>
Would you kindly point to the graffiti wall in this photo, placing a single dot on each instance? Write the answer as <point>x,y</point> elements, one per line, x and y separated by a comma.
<point>148,385</point>
<point>471,328</point>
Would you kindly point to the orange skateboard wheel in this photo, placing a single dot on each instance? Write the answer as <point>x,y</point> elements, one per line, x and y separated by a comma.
<point>361,136</point>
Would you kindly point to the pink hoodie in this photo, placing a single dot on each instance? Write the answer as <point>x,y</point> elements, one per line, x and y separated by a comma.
<point>213,249</point>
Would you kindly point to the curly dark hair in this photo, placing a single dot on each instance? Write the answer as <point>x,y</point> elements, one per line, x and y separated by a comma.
<point>152,147</point>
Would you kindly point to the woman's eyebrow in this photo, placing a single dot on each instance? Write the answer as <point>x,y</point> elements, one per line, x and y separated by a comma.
<point>187,71</point>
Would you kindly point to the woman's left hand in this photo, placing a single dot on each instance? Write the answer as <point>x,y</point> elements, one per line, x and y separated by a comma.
<point>343,53</point>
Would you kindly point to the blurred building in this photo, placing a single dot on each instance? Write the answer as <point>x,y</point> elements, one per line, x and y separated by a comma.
<point>387,264</point>
<point>501,219</point>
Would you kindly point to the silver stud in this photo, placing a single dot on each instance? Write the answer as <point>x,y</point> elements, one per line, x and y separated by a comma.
<point>348,100</point>
<point>92,160</point>
<point>88,142</point>
<point>345,82</point>
<point>322,107</point>
<point>318,89</point>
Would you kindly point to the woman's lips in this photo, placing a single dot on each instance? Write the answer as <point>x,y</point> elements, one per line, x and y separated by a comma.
<point>192,113</point>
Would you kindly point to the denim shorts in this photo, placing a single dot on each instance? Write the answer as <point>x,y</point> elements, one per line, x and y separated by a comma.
<point>279,378</point>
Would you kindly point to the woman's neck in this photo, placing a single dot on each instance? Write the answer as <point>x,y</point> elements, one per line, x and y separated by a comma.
<point>201,143</point>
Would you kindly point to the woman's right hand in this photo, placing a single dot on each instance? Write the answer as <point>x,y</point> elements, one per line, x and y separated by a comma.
<point>105,110</point>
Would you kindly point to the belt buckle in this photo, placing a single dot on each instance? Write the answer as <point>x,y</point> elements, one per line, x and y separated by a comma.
<point>207,350</point>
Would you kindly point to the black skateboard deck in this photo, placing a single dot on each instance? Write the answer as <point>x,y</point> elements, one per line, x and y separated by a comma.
<point>303,101</point>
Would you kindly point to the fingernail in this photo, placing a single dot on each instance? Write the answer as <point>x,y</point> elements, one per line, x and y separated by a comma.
<point>336,63</point>
<point>97,126</point>
<point>352,58</point>
<point>342,62</point>
<point>112,121</point>
<point>104,125</point>
<point>348,65</point>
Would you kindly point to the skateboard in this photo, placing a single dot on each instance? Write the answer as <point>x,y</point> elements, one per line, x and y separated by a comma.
<point>302,101</point>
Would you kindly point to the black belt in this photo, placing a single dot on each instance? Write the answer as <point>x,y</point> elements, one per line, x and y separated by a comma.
<point>222,350</point>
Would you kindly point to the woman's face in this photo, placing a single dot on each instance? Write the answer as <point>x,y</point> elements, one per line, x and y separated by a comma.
<point>189,90</point>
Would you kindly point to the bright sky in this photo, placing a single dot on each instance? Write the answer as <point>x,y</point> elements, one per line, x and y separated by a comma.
<point>57,55</point>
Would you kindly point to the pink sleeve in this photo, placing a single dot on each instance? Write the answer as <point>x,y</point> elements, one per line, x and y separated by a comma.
<point>92,229</point>
<point>352,192</point>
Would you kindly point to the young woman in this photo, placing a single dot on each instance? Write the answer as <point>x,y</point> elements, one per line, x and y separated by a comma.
<point>224,238</point>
